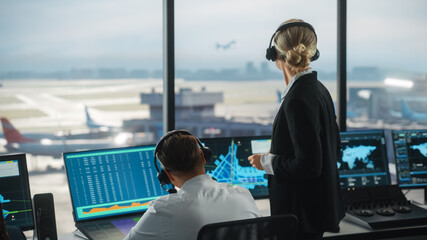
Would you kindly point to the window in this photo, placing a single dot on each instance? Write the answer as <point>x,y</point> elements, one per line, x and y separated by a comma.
<point>387,81</point>
<point>225,86</point>
<point>71,75</point>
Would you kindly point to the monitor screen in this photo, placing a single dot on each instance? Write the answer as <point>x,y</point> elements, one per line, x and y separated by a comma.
<point>112,182</point>
<point>364,159</point>
<point>229,163</point>
<point>410,151</point>
<point>15,194</point>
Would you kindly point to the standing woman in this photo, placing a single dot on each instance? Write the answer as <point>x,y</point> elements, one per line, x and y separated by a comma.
<point>305,143</point>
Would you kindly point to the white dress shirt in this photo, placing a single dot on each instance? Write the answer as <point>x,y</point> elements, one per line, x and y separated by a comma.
<point>201,200</point>
<point>267,158</point>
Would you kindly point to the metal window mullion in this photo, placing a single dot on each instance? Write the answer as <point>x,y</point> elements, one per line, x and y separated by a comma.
<point>342,64</point>
<point>168,66</point>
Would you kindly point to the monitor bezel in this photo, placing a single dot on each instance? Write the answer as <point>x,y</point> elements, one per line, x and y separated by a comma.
<point>69,187</point>
<point>395,160</point>
<point>380,132</point>
<point>22,161</point>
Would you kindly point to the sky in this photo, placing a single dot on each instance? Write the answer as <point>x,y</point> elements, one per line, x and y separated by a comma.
<point>48,35</point>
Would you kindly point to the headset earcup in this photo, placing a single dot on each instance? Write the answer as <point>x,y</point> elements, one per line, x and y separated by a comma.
<point>271,53</point>
<point>163,178</point>
<point>315,56</point>
<point>207,153</point>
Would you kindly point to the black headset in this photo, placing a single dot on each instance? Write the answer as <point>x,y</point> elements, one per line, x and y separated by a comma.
<point>271,50</point>
<point>161,174</point>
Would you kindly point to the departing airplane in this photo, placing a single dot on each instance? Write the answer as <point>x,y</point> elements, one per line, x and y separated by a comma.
<point>226,46</point>
<point>17,142</point>
<point>408,113</point>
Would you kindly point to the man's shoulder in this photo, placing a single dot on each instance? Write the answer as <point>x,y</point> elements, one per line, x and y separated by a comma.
<point>233,189</point>
<point>162,202</point>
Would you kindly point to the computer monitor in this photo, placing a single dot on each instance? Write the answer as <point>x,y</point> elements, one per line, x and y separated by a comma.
<point>111,182</point>
<point>15,194</point>
<point>410,151</point>
<point>363,159</point>
<point>229,163</point>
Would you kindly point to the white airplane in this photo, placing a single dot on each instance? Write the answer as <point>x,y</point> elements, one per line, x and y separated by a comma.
<point>90,123</point>
<point>408,113</point>
<point>17,142</point>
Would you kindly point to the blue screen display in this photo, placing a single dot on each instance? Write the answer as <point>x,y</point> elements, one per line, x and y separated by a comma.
<point>229,163</point>
<point>410,151</point>
<point>15,195</point>
<point>364,159</point>
<point>112,181</point>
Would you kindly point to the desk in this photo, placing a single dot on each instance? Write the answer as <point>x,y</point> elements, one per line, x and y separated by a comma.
<point>351,231</point>
<point>348,230</point>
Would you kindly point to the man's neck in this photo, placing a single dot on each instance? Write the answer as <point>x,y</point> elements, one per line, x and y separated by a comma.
<point>180,179</point>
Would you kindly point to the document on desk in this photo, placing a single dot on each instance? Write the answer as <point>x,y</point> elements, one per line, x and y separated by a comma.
<point>79,234</point>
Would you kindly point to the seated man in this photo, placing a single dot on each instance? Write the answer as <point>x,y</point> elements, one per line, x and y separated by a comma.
<point>200,200</point>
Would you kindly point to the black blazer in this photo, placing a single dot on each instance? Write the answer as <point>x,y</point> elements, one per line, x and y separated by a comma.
<point>306,141</point>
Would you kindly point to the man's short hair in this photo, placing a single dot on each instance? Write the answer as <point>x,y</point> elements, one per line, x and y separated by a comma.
<point>180,152</point>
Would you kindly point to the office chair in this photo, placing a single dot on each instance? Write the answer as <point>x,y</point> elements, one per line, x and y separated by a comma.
<point>263,228</point>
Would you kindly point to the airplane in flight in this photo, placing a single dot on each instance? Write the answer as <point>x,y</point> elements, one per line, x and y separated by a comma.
<point>17,142</point>
<point>226,46</point>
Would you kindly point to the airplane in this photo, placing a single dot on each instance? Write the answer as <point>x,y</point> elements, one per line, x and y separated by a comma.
<point>408,113</point>
<point>91,124</point>
<point>17,142</point>
<point>226,46</point>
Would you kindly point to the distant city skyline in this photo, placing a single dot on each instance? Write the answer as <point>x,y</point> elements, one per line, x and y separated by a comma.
<point>247,73</point>
<point>49,36</point>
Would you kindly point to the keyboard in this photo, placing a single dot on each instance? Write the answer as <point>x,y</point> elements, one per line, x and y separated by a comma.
<point>381,207</point>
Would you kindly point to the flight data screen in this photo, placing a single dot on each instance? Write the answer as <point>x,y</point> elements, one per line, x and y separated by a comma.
<point>15,195</point>
<point>112,181</point>
<point>229,163</point>
<point>410,151</point>
<point>363,159</point>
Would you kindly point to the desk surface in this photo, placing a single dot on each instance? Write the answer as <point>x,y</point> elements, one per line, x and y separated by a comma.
<point>348,230</point>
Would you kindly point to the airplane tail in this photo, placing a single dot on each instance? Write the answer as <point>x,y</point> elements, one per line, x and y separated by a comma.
<point>89,121</point>
<point>11,134</point>
<point>406,111</point>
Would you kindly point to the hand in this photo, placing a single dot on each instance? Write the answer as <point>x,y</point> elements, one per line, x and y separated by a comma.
<point>255,161</point>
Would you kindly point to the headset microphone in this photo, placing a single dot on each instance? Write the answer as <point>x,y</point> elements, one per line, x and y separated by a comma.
<point>161,174</point>
<point>271,53</point>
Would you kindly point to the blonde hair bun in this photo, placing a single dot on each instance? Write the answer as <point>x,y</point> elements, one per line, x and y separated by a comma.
<point>298,57</point>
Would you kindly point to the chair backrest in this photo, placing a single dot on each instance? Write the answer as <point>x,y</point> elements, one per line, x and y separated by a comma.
<point>265,228</point>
